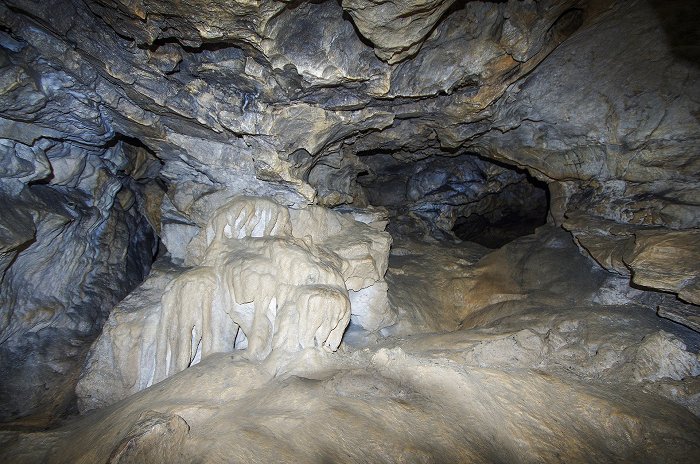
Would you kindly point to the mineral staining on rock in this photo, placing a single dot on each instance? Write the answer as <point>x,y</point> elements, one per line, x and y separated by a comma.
<point>244,159</point>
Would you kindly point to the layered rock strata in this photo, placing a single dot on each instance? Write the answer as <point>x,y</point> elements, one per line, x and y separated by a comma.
<point>124,118</point>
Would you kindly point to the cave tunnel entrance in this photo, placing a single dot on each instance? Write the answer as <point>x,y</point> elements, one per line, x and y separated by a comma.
<point>446,196</point>
<point>520,209</point>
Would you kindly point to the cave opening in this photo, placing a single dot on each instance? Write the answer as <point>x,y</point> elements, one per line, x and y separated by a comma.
<point>142,189</point>
<point>463,197</point>
<point>522,208</point>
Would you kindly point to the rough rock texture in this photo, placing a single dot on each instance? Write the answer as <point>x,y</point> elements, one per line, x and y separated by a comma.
<point>229,105</point>
<point>566,369</point>
<point>439,287</point>
<point>435,398</point>
<point>448,197</point>
<point>70,253</point>
<point>616,157</point>
<point>396,29</point>
<point>653,257</point>
<point>124,119</point>
<point>262,277</point>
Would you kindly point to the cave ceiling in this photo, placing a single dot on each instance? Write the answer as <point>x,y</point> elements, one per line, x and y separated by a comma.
<point>125,124</point>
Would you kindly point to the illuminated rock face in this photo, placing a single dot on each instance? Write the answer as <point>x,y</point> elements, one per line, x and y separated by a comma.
<point>181,179</point>
<point>262,277</point>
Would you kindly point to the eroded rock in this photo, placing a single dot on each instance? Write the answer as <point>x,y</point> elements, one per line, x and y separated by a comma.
<point>119,118</point>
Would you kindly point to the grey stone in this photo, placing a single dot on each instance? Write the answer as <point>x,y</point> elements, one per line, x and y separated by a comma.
<point>128,127</point>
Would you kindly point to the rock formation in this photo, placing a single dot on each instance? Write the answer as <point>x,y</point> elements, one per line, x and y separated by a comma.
<point>262,277</point>
<point>197,202</point>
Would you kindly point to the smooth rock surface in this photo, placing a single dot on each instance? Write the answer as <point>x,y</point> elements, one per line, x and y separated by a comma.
<point>262,278</point>
<point>453,401</point>
<point>574,366</point>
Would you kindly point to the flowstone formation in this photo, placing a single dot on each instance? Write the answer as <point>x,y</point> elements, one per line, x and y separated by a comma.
<point>527,377</point>
<point>260,277</point>
<point>196,202</point>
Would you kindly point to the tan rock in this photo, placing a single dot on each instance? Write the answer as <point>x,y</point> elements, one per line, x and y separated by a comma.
<point>396,28</point>
<point>664,356</point>
<point>263,277</point>
<point>667,260</point>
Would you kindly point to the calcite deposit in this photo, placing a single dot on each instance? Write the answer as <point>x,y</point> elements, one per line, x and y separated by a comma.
<point>262,277</point>
<point>349,231</point>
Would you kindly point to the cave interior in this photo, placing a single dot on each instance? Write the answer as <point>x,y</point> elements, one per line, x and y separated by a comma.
<point>349,231</point>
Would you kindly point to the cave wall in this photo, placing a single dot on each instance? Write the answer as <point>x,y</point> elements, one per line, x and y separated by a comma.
<point>614,131</point>
<point>123,118</point>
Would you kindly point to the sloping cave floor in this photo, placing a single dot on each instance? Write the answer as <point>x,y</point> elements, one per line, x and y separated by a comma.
<point>528,353</point>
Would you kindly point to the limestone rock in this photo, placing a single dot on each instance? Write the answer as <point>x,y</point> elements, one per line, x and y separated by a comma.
<point>124,119</point>
<point>370,307</point>
<point>554,345</point>
<point>663,356</point>
<point>572,127</point>
<point>58,289</point>
<point>464,280</point>
<point>653,257</point>
<point>605,241</point>
<point>292,266</point>
<point>472,47</point>
<point>667,260</point>
<point>17,229</point>
<point>676,310</point>
<point>152,439</point>
<point>317,29</point>
<point>263,278</point>
<point>396,28</point>
<point>126,347</point>
<point>486,414</point>
<point>462,196</point>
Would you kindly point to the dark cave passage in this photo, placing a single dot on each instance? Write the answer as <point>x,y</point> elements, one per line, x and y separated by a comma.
<point>465,197</point>
<point>519,210</point>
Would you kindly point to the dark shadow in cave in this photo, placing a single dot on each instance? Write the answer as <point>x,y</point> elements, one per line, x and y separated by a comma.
<point>450,196</point>
<point>679,20</point>
<point>524,208</point>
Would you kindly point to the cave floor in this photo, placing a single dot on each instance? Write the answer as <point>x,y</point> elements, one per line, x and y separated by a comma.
<point>544,359</point>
